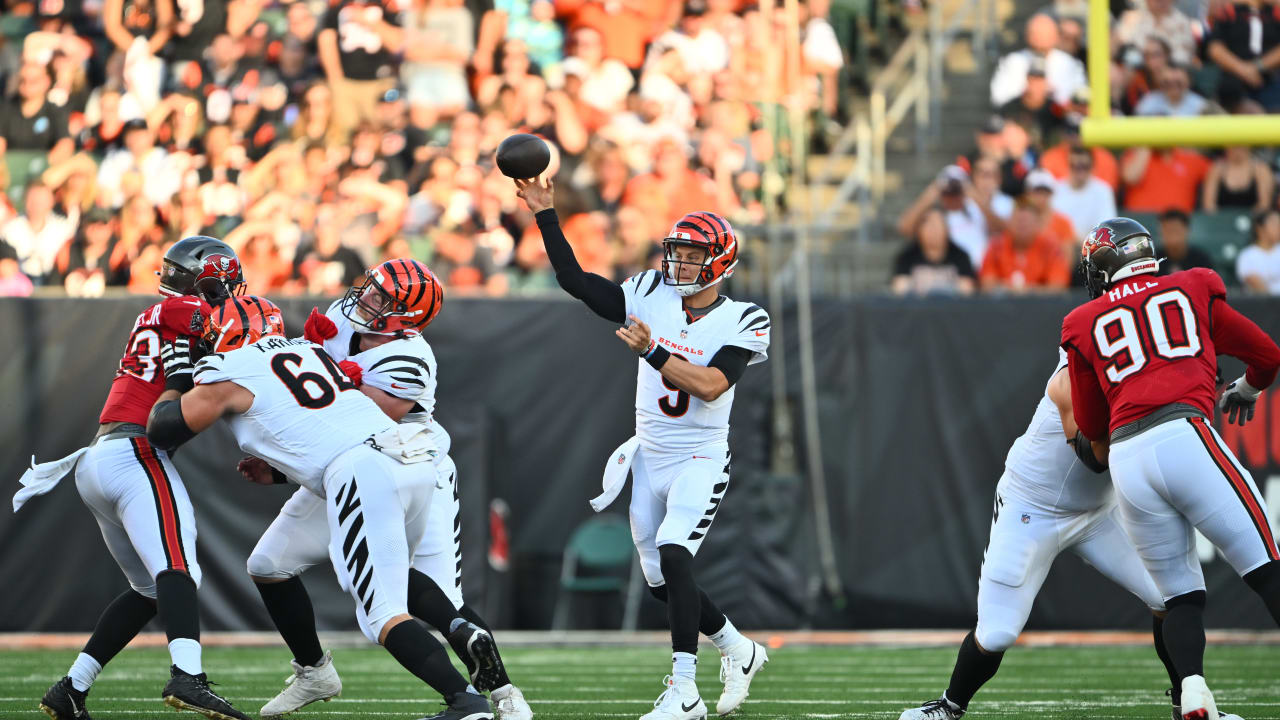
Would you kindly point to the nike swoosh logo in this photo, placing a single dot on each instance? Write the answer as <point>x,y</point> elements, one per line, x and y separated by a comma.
<point>761,333</point>
<point>690,706</point>
<point>746,669</point>
<point>398,387</point>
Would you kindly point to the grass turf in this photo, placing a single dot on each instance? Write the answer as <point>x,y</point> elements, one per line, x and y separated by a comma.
<point>799,682</point>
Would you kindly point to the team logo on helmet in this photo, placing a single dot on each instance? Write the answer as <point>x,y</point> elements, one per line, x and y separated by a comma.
<point>220,267</point>
<point>1100,237</point>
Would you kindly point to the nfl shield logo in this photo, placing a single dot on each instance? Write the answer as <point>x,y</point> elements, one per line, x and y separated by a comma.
<point>1026,518</point>
<point>622,457</point>
<point>684,333</point>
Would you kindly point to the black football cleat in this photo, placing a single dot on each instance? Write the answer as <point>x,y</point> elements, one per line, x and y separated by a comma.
<point>62,701</point>
<point>480,654</point>
<point>465,706</point>
<point>191,692</point>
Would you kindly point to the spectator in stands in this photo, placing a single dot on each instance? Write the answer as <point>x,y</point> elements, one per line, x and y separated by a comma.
<point>139,30</point>
<point>623,27</point>
<point>1173,96</point>
<point>671,190</point>
<point>1156,180</point>
<point>1238,181</point>
<point>932,265</point>
<point>85,263</point>
<point>1023,259</point>
<point>605,80</point>
<point>358,46</point>
<point>29,121</point>
<point>1242,42</point>
<point>1158,19</point>
<point>1057,159</point>
<point>985,190</point>
<point>1258,266</point>
<point>149,165</point>
<point>1083,197</point>
<point>1179,253</point>
<point>438,44</point>
<point>635,246</point>
<point>1064,73</point>
<point>530,271</point>
<point>966,222</point>
<point>38,233</point>
<point>1059,228</point>
<point>12,282</point>
<point>326,266</point>
<point>1034,110</point>
<point>1135,71</point>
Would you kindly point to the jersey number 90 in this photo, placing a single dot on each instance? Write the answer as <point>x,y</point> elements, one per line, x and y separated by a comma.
<point>1123,335</point>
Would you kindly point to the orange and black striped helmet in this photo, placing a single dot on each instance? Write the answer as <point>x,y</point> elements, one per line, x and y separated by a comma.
<point>713,234</point>
<point>398,297</point>
<point>241,320</point>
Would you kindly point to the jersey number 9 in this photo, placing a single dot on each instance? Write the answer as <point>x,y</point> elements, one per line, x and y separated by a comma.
<point>681,404</point>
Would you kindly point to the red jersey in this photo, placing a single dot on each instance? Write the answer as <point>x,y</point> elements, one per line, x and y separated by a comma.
<point>140,376</point>
<point>1151,341</point>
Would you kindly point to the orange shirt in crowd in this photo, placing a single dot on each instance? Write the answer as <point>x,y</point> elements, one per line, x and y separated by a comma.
<point>1059,228</point>
<point>1105,168</point>
<point>1172,180</point>
<point>1040,265</point>
<point>625,32</point>
<point>666,201</point>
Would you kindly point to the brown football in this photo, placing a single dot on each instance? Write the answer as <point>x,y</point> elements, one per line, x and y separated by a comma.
<point>523,156</point>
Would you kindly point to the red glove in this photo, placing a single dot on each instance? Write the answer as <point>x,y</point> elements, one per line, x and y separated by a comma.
<point>255,470</point>
<point>318,328</point>
<point>185,314</point>
<point>353,371</point>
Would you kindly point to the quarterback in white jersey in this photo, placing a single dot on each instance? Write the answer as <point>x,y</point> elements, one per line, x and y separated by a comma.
<point>289,404</point>
<point>694,345</point>
<point>1047,502</point>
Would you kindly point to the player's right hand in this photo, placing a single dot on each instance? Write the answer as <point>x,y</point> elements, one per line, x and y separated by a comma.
<point>1238,402</point>
<point>255,470</point>
<point>318,328</point>
<point>537,194</point>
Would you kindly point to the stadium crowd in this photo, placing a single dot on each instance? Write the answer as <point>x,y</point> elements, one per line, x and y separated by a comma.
<point>1012,214</point>
<point>317,138</point>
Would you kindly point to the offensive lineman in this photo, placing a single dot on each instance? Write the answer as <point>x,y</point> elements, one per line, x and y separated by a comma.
<point>134,492</point>
<point>288,403</point>
<point>1142,356</point>
<point>1048,501</point>
<point>700,345</point>
<point>375,335</point>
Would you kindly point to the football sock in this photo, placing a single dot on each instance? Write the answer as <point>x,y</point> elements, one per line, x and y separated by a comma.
<point>1184,633</point>
<point>83,672</point>
<point>179,611</point>
<point>123,619</point>
<point>474,618</point>
<point>428,603</point>
<point>684,666</point>
<point>1266,582</point>
<point>1157,633</point>
<point>683,607</point>
<point>727,637</point>
<point>289,606</point>
<point>973,669</point>
<point>710,619</point>
<point>421,654</point>
<point>185,653</point>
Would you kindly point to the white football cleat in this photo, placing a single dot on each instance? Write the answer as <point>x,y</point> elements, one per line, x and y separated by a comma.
<point>940,709</point>
<point>510,704</point>
<point>1197,701</point>
<point>305,686</point>
<point>737,668</point>
<point>680,701</point>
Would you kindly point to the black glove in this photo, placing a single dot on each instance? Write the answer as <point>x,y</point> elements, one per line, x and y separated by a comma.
<point>1084,451</point>
<point>178,363</point>
<point>1238,401</point>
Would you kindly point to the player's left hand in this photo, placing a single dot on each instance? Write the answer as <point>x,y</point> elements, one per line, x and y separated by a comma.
<point>318,328</point>
<point>635,335</point>
<point>353,371</point>
<point>1238,402</point>
<point>255,470</point>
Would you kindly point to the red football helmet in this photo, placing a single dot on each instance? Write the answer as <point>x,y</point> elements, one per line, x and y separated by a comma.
<point>240,321</point>
<point>399,298</point>
<point>709,232</point>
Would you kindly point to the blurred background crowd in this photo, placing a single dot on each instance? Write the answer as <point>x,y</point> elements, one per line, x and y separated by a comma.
<point>1012,214</point>
<point>317,138</point>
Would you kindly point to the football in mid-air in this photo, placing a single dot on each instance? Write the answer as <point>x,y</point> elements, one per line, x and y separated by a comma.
<point>523,156</point>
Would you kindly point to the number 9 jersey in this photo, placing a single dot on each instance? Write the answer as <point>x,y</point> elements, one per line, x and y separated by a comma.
<point>669,420</point>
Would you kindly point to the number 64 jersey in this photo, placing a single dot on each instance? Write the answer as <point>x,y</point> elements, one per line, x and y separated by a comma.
<point>668,419</point>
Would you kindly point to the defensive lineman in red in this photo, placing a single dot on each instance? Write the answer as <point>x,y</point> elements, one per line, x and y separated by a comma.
<point>1142,356</point>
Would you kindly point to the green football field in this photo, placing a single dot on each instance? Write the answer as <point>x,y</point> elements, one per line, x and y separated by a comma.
<point>799,682</point>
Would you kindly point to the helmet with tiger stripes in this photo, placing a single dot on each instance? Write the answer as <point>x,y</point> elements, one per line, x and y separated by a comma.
<point>399,297</point>
<point>713,234</point>
<point>241,320</point>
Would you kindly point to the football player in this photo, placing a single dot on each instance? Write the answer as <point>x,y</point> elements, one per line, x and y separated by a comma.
<point>288,403</point>
<point>1142,357</point>
<point>693,345</point>
<point>1047,502</point>
<point>136,495</point>
<point>375,334</point>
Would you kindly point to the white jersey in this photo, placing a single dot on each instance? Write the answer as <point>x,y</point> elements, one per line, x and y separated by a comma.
<point>667,418</point>
<point>1042,468</point>
<point>305,411</point>
<point>404,368</point>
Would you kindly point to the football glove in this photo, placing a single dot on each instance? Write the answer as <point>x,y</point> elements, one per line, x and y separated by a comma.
<point>318,327</point>
<point>1084,451</point>
<point>1238,401</point>
<point>178,363</point>
<point>353,371</point>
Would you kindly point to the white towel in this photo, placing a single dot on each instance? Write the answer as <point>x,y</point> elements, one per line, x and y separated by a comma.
<point>615,474</point>
<point>406,442</point>
<point>42,478</point>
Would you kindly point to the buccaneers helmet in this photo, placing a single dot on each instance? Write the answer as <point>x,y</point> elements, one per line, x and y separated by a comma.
<point>203,266</point>
<point>1113,250</point>
<point>240,321</point>
<point>398,297</point>
<point>704,230</point>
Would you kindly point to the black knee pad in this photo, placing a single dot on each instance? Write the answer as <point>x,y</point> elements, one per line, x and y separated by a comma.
<point>1266,579</point>
<point>1195,598</point>
<point>659,592</point>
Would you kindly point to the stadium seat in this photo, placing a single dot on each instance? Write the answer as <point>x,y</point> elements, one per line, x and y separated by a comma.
<point>597,555</point>
<point>23,166</point>
<point>1223,235</point>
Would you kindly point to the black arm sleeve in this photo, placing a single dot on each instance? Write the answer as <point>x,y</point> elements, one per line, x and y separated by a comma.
<point>167,429</point>
<point>732,361</point>
<point>602,295</point>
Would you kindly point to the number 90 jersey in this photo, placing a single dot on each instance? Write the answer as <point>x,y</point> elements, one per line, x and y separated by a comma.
<point>668,419</point>
<point>305,410</point>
